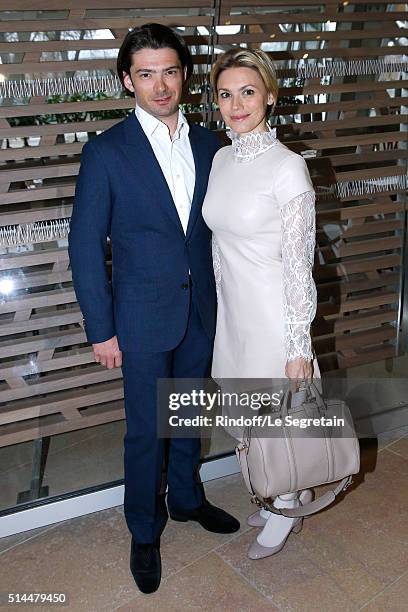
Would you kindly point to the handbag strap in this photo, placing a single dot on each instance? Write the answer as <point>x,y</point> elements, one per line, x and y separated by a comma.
<point>318,504</point>
<point>242,448</point>
<point>297,398</point>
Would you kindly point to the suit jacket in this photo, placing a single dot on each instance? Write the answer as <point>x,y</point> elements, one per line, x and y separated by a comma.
<point>121,192</point>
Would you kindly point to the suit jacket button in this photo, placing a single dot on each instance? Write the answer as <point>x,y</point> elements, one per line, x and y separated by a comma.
<point>185,286</point>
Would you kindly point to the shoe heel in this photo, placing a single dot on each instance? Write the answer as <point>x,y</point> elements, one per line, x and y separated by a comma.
<point>298,528</point>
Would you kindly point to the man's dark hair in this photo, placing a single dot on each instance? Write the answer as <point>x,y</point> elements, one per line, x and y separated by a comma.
<point>152,36</point>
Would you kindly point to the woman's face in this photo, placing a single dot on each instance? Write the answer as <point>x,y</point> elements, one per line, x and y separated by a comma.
<point>243,98</point>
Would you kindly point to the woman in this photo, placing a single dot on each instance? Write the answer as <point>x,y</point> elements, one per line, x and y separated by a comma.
<point>260,207</point>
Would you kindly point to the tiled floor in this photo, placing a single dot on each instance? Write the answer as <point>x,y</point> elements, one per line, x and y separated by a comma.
<point>350,557</point>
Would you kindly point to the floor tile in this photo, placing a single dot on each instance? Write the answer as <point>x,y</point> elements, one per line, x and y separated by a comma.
<point>86,558</point>
<point>207,584</point>
<point>389,437</point>
<point>392,599</point>
<point>369,523</point>
<point>182,543</point>
<point>290,579</point>
<point>348,573</point>
<point>14,540</point>
<point>92,553</point>
<point>400,447</point>
<point>231,494</point>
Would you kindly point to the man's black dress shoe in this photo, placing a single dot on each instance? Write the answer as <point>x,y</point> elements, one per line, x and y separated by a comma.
<point>210,517</point>
<point>145,565</point>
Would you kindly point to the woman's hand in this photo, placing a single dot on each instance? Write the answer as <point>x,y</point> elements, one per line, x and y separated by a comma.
<point>299,370</point>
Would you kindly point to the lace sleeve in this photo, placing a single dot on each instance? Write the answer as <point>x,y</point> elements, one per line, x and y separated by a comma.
<point>216,264</point>
<point>299,299</point>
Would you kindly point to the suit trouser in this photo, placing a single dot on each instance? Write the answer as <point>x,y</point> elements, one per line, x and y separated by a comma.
<point>145,510</point>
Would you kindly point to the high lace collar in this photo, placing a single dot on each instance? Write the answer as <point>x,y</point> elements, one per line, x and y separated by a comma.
<point>249,146</point>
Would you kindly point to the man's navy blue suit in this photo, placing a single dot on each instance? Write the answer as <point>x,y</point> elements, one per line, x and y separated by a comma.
<point>161,303</point>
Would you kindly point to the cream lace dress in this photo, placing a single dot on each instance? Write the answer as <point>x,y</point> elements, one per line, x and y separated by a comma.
<point>260,205</point>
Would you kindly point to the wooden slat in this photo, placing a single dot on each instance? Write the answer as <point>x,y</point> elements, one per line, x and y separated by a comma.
<point>313,17</point>
<point>33,195</point>
<point>94,374</point>
<point>55,67</point>
<point>47,67</point>
<point>363,247</point>
<point>29,110</point>
<point>350,341</point>
<point>336,326</point>
<point>45,298</point>
<point>40,342</point>
<point>379,206</point>
<point>10,435</point>
<point>316,88</point>
<point>20,260</point>
<point>346,123</point>
<point>367,356</point>
<point>373,227</point>
<point>40,152</point>
<point>49,5</point>
<point>362,321</point>
<point>57,128</point>
<point>26,174</point>
<point>66,317</point>
<point>344,287</point>
<point>226,39</point>
<point>356,159</point>
<point>358,303</point>
<point>41,214</point>
<point>368,264</point>
<point>41,279</point>
<point>100,23</point>
<point>235,5</point>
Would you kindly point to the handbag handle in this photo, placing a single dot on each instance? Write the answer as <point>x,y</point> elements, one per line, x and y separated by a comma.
<point>300,397</point>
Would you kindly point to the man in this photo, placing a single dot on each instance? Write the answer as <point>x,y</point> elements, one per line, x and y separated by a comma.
<point>142,183</point>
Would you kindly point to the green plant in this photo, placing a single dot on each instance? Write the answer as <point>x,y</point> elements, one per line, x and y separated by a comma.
<point>21,121</point>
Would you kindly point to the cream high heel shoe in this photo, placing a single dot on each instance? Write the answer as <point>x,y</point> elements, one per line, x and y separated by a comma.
<point>257,520</point>
<point>259,551</point>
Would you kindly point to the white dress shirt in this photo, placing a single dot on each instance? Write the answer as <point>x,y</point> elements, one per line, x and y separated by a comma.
<point>175,158</point>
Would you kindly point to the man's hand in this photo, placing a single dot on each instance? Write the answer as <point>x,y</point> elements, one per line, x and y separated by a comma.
<point>108,353</point>
<point>299,370</point>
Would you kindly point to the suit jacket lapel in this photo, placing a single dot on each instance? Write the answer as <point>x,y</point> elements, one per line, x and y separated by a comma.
<point>145,157</point>
<point>198,187</point>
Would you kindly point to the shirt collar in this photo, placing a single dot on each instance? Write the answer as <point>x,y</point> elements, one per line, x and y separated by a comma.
<point>151,124</point>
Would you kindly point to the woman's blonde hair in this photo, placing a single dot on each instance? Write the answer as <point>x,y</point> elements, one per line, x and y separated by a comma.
<point>247,58</point>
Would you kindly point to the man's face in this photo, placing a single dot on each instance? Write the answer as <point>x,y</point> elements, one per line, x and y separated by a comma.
<point>156,78</point>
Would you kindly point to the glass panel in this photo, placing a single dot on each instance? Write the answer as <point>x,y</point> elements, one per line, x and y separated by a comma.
<point>61,414</point>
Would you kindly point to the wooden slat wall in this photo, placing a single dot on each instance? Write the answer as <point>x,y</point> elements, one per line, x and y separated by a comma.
<point>49,382</point>
<point>349,127</point>
<point>356,132</point>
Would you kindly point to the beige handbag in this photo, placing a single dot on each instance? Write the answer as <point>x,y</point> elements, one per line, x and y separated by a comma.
<point>295,459</point>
